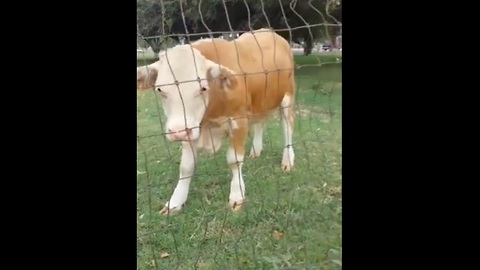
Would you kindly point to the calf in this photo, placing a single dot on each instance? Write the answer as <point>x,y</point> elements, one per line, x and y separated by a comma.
<point>215,88</point>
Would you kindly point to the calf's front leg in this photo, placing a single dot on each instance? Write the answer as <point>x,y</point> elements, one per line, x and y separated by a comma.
<point>187,169</point>
<point>235,156</point>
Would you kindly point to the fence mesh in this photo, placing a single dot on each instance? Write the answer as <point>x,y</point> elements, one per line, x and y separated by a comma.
<point>290,219</point>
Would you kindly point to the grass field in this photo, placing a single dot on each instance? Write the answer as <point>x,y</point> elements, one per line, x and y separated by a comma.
<point>291,220</point>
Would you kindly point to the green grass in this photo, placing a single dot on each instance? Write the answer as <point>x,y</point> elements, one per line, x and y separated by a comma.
<point>305,205</point>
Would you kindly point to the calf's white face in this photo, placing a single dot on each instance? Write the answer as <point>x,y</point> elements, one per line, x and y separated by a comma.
<point>181,77</point>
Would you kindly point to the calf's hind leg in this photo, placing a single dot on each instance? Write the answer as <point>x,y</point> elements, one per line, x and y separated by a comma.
<point>257,145</point>
<point>287,120</point>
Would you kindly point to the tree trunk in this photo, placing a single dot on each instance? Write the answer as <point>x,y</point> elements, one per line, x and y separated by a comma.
<point>308,45</point>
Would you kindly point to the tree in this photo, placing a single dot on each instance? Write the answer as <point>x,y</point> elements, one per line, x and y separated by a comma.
<point>162,18</point>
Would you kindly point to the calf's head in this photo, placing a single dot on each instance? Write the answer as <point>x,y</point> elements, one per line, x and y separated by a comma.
<point>184,78</point>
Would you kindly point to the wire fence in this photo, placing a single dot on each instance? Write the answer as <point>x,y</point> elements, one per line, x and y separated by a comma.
<point>238,136</point>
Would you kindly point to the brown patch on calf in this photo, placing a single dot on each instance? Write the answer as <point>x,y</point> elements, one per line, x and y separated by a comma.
<point>256,85</point>
<point>238,136</point>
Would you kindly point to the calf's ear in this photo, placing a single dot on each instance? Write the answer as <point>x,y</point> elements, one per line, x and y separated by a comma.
<point>146,76</point>
<point>222,75</point>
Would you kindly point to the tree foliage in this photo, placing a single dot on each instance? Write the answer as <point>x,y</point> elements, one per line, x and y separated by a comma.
<point>289,18</point>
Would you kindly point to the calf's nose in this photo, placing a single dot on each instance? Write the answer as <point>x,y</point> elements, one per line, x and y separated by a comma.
<point>180,135</point>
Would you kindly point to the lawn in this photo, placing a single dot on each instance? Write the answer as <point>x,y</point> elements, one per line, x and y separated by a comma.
<point>291,220</point>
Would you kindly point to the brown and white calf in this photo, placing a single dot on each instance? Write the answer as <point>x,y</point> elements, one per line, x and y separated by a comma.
<point>215,88</point>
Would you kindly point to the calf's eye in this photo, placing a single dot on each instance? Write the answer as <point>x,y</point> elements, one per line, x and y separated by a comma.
<point>204,89</point>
